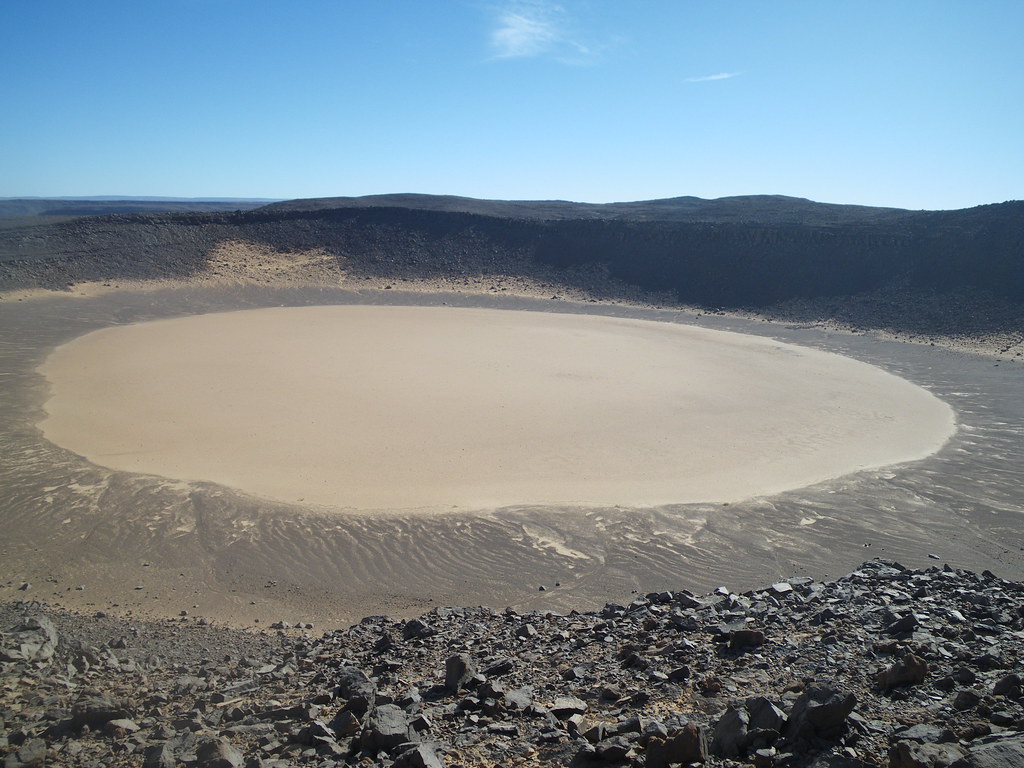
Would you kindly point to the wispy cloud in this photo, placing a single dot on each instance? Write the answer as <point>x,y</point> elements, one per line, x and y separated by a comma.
<point>532,28</point>
<point>709,78</point>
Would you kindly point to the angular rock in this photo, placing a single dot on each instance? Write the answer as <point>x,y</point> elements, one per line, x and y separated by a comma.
<point>567,706</point>
<point>910,670</point>
<point>911,754</point>
<point>820,712</point>
<point>458,670</point>
<point>1006,752</point>
<point>729,738</point>
<point>416,629</point>
<point>159,756</point>
<point>519,699</point>
<point>419,756</point>
<point>386,727</point>
<point>29,755</point>
<point>966,699</point>
<point>1009,686</point>
<point>95,711</point>
<point>498,667</point>
<point>925,733</point>
<point>902,626</point>
<point>32,639</point>
<point>346,723</point>
<point>743,639</point>
<point>357,689</point>
<point>764,716</point>
<point>613,750</point>
<point>688,744</point>
<point>120,727</point>
<point>218,753</point>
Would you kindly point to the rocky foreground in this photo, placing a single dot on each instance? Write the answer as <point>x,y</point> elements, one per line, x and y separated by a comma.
<point>885,667</point>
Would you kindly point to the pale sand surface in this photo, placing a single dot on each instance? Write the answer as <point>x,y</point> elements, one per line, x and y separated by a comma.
<point>388,408</point>
<point>90,538</point>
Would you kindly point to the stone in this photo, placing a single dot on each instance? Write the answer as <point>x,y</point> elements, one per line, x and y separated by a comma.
<point>498,667</point>
<point>902,626</point>
<point>458,671</point>
<point>729,738</point>
<point>386,727</point>
<point>966,699</point>
<point>120,727</point>
<point>519,699</point>
<point>925,733</point>
<point>95,711</point>
<point>416,629</point>
<point>1005,752</point>
<point>159,756</point>
<point>743,639</point>
<point>567,706</point>
<point>526,631</point>
<point>1008,685</point>
<point>688,744</point>
<point>345,723</point>
<point>419,756</point>
<point>613,750</point>
<point>32,639</point>
<point>763,715</point>
<point>29,755</point>
<point>910,670</point>
<point>218,753</point>
<point>820,712</point>
<point>357,689</point>
<point>911,754</point>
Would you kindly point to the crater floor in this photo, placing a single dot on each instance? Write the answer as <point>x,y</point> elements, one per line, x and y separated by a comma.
<point>434,408</point>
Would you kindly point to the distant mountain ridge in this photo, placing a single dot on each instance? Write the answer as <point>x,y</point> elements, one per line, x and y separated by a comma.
<point>102,204</point>
<point>748,208</point>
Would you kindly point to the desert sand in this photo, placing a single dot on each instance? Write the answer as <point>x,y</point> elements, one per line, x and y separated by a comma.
<point>441,408</point>
<point>82,535</point>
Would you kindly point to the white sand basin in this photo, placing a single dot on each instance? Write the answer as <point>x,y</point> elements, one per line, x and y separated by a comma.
<point>372,407</point>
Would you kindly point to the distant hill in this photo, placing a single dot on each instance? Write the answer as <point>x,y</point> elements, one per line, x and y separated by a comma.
<point>750,208</point>
<point>735,252</point>
<point>98,206</point>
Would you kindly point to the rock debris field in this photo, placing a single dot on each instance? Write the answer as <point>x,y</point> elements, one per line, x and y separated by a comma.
<point>887,666</point>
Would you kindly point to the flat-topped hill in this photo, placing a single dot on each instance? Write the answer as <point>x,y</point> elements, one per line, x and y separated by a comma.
<point>744,208</point>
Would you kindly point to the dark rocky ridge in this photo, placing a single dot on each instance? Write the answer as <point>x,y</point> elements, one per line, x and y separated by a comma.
<point>884,667</point>
<point>934,271</point>
<point>89,206</point>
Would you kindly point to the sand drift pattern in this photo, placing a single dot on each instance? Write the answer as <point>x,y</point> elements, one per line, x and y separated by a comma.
<point>437,407</point>
<point>69,522</point>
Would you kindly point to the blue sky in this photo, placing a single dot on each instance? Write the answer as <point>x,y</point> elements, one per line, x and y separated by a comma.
<point>908,103</point>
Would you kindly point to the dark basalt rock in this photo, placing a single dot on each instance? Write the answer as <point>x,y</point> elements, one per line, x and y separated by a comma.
<point>651,684</point>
